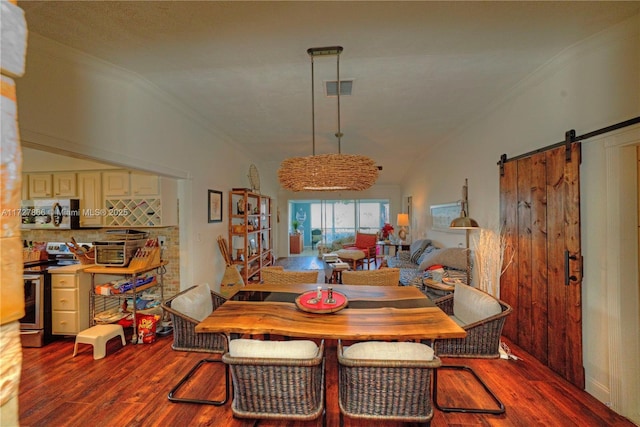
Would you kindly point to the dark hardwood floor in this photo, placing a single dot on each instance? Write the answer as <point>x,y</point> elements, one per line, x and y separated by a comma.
<point>129,388</point>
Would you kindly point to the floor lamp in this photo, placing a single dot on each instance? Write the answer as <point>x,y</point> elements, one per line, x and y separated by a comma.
<point>464,222</point>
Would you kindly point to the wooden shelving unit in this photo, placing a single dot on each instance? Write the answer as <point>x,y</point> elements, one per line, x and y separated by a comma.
<point>250,233</point>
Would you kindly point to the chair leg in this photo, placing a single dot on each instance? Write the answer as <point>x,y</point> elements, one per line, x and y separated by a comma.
<point>193,370</point>
<point>500,410</point>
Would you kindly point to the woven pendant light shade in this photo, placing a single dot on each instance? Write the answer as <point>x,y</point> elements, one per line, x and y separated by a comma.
<point>328,172</point>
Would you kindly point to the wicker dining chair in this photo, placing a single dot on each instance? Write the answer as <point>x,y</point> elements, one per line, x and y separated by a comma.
<point>272,385</point>
<point>186,339</point>
<point>380,277</point>
<point>278,276</point>
<point>482,340</point>
<point>386,381</point>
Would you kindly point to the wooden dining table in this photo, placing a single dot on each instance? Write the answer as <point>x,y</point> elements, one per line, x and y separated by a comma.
<point>371,313</point>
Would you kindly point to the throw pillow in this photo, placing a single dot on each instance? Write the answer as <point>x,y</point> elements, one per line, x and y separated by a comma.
<point>417,248</point>
<point>449,257</point>
<point>426,253</point>
<point>422,243</point>
<point>195,303</point>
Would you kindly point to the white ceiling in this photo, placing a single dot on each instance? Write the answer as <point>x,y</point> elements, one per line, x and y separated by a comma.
<point>421,69</point>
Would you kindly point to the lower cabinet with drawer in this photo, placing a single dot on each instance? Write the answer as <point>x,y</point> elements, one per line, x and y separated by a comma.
<point>70,289</point>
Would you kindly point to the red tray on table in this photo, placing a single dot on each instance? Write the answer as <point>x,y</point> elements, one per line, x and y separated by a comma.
<point>305,302</point>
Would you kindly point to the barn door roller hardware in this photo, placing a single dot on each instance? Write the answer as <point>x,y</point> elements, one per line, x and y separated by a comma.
<point>569,138</point>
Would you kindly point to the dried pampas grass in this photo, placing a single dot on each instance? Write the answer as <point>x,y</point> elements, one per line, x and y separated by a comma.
<point>489,260</point>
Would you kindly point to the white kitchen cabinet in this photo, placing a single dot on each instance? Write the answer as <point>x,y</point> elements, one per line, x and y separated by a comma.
<point>111,198</point>
<point>40,185</point>
<point>134,184</point>
<point>90,195</point>
<point>64,185</point>
<point>150,210</point>
<point>47,185</point>
<point>116,184</point>
<point>144,184</point>
<point>70,290</point>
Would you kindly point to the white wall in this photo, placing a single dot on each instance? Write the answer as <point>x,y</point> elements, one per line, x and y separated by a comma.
<point>589,86</point>
<point>73,103</point>
<point>38,160</point>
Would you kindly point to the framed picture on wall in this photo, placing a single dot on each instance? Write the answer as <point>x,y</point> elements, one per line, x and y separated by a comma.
<point>442,215</point>
<point>215,206</point>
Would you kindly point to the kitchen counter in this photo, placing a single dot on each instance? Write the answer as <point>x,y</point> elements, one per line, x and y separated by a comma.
<point>69,269</point>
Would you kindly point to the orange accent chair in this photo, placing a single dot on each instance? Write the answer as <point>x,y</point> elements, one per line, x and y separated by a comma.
<point>367,244</point>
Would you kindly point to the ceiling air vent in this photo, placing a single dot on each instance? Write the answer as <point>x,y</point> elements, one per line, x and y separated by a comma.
<point>346,86</point>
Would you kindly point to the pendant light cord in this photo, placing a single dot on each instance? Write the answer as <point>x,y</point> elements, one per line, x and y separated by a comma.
<point>313,110</point>
<point>333,50</point>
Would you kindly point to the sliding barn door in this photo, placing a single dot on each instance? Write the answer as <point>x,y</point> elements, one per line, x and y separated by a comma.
<point>540,213</point>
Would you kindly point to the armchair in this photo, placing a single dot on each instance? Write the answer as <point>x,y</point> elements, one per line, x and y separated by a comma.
<point>187,309</point>
<point>386,381</point>
<point>482,316</point>
<point>277,380</point>
<point>366,243</point>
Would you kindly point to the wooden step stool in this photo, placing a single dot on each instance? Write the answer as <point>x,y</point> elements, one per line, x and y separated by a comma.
<point>98,336</point>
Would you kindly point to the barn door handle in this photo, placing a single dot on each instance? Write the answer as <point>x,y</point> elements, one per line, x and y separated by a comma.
<point>567,277</point>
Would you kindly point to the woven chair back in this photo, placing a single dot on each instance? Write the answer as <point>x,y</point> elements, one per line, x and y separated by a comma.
<point>483,337</point>
<point>278,389</point>
<point>185,337</point>
<point>385,390</point>
<point>381,277</point>
<point>275,276</point>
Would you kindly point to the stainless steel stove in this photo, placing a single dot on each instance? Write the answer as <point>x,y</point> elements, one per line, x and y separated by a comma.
<point>35,326</point>
<point>62,255</point>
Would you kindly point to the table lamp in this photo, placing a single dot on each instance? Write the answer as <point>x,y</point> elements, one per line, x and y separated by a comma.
<point>403,223</point>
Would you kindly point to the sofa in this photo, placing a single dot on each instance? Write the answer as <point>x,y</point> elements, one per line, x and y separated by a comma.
<point>415,264</point>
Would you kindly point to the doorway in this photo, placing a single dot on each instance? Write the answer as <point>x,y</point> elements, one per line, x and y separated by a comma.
<point>618,273</point>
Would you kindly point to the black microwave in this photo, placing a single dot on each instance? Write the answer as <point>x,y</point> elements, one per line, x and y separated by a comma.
<point>50,214</point>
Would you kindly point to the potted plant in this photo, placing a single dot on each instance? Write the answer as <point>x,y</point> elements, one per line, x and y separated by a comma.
<point>386,232</point>
<point>295,225</point>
